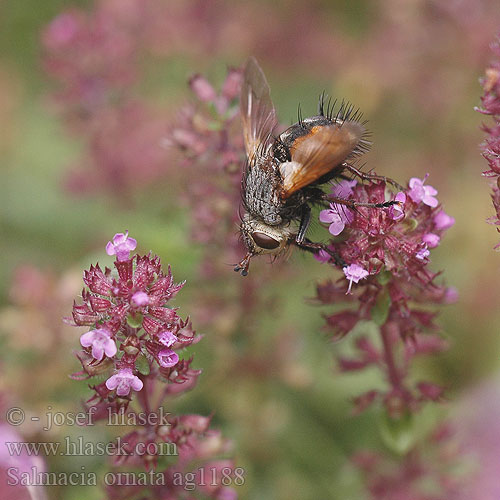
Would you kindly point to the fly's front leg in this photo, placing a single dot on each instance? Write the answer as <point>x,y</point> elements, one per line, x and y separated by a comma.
<point>371,177</point>
<point>305,220</point>
<point>312,247</point>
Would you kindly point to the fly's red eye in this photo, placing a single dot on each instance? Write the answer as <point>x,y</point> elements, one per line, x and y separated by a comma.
<point>265,241</point>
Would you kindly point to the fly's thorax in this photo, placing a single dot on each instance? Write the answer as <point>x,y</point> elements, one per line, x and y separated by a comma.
<point>262,189</point>
<point>262,238</point>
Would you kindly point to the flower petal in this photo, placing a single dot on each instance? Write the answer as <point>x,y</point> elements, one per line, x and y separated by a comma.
<point>327,216</point>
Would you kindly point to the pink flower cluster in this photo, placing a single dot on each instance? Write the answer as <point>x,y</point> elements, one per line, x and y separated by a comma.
<point>137,340</point>
<point>121,307</point>
<point>490,105</point>
<point>386,253</point>
<point>94,59</point>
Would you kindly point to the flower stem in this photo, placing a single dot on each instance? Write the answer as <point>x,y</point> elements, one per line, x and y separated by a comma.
<point>387,331</point>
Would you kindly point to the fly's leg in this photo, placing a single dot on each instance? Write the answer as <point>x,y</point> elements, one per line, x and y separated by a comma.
<point>304,223</point>
<point>371,177</point>
<point>305,244</point>
<point>312,247</point>
<point>353,204</point>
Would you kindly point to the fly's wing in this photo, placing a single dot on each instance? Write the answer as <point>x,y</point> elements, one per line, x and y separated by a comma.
<point>318,153</point>
<point>256,108</point>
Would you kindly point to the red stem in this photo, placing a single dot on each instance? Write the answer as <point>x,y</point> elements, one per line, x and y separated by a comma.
<point>387,331</point>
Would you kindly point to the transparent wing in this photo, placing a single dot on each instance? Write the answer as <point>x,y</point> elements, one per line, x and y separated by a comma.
<point>257,110</point>
<point>318,153</point>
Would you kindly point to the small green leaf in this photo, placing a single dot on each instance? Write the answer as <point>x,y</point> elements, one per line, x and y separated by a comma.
<point>134,320</point>
<point>380,310</point>
<point>398,434</point>
<point>142,365</point>
<point>384,277</point>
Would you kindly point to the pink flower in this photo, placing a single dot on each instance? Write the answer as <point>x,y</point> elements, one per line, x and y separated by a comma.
<point>121,246</point>
<point>140,299</point>
<point>344,189</point>
<point>337,216</point>
<point>123,381</point>
<point>420,193</point>
<point>443,221</point>
<point>61,30</point>
<point>354,273</point>
<point>432,240</point>
<point>167,358</point>
<point>202,88</point>
<point>322,256</point>
<point>396,212</point>
<point>167,338</point>
<point>101,343</point>
<point>423,253</point>
<point>451,295</point>
<point>232,84</point>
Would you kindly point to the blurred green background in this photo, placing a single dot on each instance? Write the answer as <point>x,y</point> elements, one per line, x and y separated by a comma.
<point>412,67</point>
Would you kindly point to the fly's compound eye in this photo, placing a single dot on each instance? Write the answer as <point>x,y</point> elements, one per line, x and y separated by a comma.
<point>265,241</point>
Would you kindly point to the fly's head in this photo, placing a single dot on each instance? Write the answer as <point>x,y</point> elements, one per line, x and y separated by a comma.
<point>260,239</point>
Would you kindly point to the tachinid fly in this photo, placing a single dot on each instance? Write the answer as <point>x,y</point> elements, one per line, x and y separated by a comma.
<point>283,174</point>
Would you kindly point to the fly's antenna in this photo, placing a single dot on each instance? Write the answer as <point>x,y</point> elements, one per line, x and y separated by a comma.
<point>243,265</point>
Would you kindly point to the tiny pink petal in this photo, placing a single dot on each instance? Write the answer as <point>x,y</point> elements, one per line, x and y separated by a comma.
<point>429,199</point>
<point>432,240</point>
<point>232,84</point>
<point>140,299</point>
<point>443,221</point>
<point>337,216</point>
<point>121,246</point>
<point>420,193</point>
<point>336,227</point>
<point>401,197</point>
<point>202,88</point>
<point>451,295</point>
<point>396,212</point>
<point>137,384</point>
<point>354,273</point>
<point>328,216</point>
<point>344,189</point>
<point>322,256</point>
<point>110,348</point>
<point>415,182</point>
<point>110,248</point>
<point>123,381</point>
<point>422,254</point>
<point>168,358</point>
<point>101,343</point>
<point>167,338</point>
<point>346,214</point>
<point>61,31</point>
